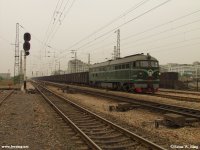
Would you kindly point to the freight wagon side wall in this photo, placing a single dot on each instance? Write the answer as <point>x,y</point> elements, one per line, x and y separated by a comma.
<point>168,80</point>
<point>77,78</point>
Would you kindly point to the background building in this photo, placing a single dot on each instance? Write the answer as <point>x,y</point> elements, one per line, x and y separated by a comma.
<point>58,72</point>
<point>77,66</point>
<point>184,70</point>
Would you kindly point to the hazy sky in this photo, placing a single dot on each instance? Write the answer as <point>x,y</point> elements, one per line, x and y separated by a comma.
<point>168,30</point>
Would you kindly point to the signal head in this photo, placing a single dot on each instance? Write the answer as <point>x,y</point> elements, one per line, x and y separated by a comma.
<point>27,53</point>
<point>27,36</point>
<point>26,46</point>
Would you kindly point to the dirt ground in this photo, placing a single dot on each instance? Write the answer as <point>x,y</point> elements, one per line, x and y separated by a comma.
<point>27,120</point>
<point>139,118</point>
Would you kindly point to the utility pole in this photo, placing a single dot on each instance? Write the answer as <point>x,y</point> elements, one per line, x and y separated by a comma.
<point>59,68</point>
<point>21,72</point>
<point>75,62</point>
<point>55,68</point>
<point>24,71</point>
<point>16,65</point>
<point>117,51</point>
<point>8,77</point>
<point>89,59</point>
<point>197,78</point>
<point>26,46</point>
<point>84,68</point>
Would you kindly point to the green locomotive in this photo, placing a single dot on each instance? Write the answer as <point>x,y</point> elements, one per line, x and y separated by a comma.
<point>139,73</point>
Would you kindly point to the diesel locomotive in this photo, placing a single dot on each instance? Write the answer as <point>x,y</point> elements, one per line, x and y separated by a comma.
<point>137,73</point>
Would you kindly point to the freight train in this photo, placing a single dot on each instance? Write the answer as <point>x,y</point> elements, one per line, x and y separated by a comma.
<point>136,73</point>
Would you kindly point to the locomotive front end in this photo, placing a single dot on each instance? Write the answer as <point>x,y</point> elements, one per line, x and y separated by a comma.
<point>146,73</point>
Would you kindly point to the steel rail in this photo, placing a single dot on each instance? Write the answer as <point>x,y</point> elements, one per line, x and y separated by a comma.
<point>8,95</point>
<point>126,132</point>
<point>159,106</point>
<point>149,104</point>
<point>180,92</point>
<point>179,98</point>
<point>90,143</point>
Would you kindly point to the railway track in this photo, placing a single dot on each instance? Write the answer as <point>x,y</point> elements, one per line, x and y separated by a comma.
<point>176,97</point>
<point>96,131</point>
<point>179,92</point>
<point>185,111</point>
<point>3,96</point>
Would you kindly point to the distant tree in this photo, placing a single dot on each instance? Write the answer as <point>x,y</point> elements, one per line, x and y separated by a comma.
<point>1,78</point>
<point>16,79</point>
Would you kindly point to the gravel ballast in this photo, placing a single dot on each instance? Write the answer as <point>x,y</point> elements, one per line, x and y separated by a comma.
<point>138,118</point>
<point>27,120</point>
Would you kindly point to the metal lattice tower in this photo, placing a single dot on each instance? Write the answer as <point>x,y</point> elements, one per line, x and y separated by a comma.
<point>16,63</point>
<point>115,53</point>
<point>117,50</point>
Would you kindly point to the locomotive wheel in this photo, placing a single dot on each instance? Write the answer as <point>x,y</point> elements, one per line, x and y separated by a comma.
<point>131,89</point>
<point>126,87</point>
<point>115,86</point>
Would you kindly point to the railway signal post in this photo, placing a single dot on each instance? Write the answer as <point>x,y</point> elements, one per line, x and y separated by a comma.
<point>26,46</point>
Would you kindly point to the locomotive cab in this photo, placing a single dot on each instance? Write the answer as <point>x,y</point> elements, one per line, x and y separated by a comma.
<point>147,79</point>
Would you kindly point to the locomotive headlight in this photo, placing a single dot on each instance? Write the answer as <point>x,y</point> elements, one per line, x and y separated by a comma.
<point>156,75</point>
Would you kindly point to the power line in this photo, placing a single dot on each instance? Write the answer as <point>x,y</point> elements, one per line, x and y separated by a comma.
<point>193,44</point>
<point>155,27</point>
<point>99,41</point>
<point>170,29</point>
<point>66,7</point>
<point>38,40</point>
<point>4,39</point>
<point>166,37</point>
<point>111,22</point>
<point>68,10</point>
<point>108,44</point>
<point>52,17</point>
<point>163,24</point>
<point>52,24</point>
<point>173,43</point>
<point>60,6</point>
<point>144,1</point>
<point>157,6</point>
<point>56,20</point>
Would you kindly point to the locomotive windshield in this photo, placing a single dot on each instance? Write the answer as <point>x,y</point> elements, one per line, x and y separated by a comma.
<point>154,64</point>
<point>146,63</point>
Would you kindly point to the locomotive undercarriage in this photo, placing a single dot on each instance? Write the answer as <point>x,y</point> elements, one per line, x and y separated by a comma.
<point>130,87</point>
